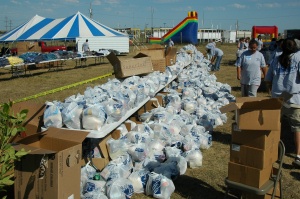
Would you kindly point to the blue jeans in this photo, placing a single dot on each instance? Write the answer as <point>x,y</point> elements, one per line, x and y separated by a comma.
<point>218,62</point>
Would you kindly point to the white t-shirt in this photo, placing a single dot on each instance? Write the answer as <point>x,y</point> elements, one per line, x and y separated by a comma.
<point>251,65</point>
<point>85,46</point>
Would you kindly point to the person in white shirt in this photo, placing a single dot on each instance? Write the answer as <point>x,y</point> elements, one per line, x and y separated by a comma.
<point>260,43</point>
<point>249,68</point>
<point>85,46</point>
<point>171,43</point>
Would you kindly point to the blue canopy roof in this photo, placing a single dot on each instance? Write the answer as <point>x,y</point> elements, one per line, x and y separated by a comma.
<point>41,28</point>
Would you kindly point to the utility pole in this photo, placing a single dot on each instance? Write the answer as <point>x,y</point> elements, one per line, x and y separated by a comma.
<point>152,11</point>
<point>6,21</point>
<point>91,11</point>
<point>10,24</point>
<point>236,29</point>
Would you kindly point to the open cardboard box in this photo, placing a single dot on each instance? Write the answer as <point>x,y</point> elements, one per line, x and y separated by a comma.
<point>33,121</point>
<point>171,54</point>
<point>157,57</point>
<point>153,103</point>
<point>100,163</point>
<point>138,65</point>
<point>256,113</point>
<point>52,168</point>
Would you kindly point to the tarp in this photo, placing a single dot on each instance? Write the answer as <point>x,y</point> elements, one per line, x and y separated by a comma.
<point>41,28</point>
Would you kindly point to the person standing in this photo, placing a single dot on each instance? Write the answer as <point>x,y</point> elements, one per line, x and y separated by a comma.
<point>249,67</point>
<point>240,48</point>
<point>260,43</point>
<point>246,44</point>
<point>171,43</point>
<point>85,46</point>
<point>216,55</point>
<point>283,77</point>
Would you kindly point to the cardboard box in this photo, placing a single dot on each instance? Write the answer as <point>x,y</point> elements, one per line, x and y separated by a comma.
<point>24,47</point>
<point>100,163</point>
<point>153,103</point>
<point>33,121</point>
<point>171,54</point>
<point>138,65</point>
<point>253,157</point>
<point>248,175</point>
<point>256,113</point>
<point>157,57</point>
<point>266,196</point>
<point>154,53</point>
<point>52,169</point>
<point>254,138</point>
<point>159,65</point>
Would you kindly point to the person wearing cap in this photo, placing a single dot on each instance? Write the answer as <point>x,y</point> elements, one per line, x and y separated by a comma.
<point>216,56</point>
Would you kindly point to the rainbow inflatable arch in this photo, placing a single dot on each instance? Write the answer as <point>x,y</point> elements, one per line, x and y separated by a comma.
<point>184,32</point>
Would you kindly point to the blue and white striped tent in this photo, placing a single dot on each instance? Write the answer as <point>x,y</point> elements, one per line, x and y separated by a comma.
<point>41,28</point>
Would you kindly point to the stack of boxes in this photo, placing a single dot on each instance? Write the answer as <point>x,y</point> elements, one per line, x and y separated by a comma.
<point>255,139</point>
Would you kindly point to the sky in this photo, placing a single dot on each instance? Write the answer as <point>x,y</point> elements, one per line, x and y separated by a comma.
<point>217,14</point>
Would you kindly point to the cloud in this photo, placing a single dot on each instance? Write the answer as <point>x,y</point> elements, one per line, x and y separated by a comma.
<point>294,4</point>
<point>112,1</point>
<point>268,5</point>
<point>96,2</point>
<point>238,6</point>
<point>15,2</point>
<point>167,1</point>
<point>47,10</point>
<point>72,1</point>
<point>214,8</point>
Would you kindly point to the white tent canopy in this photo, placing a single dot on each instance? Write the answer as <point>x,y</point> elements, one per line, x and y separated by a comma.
<point>69,28</point>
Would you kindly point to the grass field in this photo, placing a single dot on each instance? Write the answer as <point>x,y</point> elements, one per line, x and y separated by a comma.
<point>205,182</point>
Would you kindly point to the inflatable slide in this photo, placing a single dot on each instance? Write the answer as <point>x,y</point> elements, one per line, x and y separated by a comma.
<point>184,32</point>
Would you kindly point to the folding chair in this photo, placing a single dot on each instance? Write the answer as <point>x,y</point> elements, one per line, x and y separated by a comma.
<point>264,189</point>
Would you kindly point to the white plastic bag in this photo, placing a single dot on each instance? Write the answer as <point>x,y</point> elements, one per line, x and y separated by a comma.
<point>139,180</point>
<point>52,116</point>
<point>159,186</point>
<point>120,188</point>
<point>71,115</point>
<point>93,117</point>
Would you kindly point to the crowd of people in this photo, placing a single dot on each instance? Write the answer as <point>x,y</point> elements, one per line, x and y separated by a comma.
<point>279,63</point>
<point>281,70</point>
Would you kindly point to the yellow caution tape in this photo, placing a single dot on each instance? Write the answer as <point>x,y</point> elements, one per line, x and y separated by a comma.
<point>61,88</point>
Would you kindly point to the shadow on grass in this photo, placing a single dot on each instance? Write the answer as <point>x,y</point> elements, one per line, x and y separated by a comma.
<point>193,188</point>
<point>296,175</point>
<point>224,138</point>
<point>236,88</point>
<point>229,62</point>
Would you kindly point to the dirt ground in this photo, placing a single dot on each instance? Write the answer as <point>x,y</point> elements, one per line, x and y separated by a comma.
<point>206,182</point>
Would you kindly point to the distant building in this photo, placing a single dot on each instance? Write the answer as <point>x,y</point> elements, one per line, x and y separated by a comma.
<point>205,35</point>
